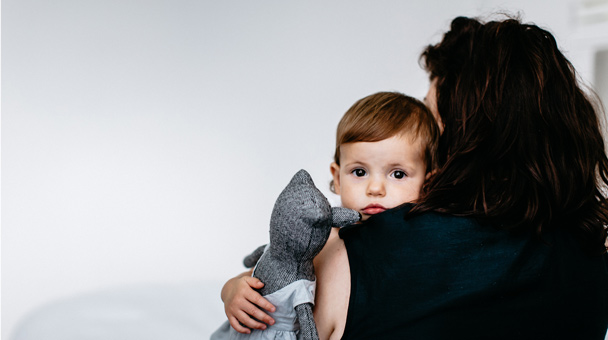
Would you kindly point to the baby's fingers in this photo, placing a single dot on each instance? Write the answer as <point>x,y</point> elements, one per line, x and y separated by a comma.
<point>245,307</point>
<point>257,299</point>
<point>259,315</point>
<point>251,309</point>
<point>249,317</point>
<point>254,282</point>
<point>237,325</point>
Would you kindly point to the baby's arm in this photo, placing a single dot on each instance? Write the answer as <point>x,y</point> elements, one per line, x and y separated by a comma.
<point>242,303</point>
<point>333,288</point>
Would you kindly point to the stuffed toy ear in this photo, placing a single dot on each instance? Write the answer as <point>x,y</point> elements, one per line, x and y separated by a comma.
<point>342,217</point>
<point>301,177</point>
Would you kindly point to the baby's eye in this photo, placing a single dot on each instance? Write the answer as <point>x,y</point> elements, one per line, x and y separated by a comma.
<point>359,172</point>
<point>398,174</point>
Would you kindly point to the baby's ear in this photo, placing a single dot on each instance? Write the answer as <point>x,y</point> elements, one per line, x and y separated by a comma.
<point>335,172</point>
<point>342,217</point>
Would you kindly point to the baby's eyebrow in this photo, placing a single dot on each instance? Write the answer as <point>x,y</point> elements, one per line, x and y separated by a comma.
<point>354,163</point>
<point>407,168</point>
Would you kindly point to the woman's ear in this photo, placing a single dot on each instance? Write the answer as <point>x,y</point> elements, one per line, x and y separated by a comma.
<point>335,172</point>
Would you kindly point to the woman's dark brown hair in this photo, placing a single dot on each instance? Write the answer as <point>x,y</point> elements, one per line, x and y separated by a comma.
<point>522,144</point>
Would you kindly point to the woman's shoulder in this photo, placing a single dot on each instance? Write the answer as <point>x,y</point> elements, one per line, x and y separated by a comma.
<point>401,220</point>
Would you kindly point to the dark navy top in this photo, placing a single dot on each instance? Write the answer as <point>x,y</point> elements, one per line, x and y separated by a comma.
<point>436,276</point>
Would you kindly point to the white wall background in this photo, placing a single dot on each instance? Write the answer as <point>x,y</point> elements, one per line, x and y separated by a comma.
<point>146,141</point>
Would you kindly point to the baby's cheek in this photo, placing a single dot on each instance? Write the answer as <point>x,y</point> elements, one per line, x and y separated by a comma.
<point>348,198</point>
<point>347,203</point>
<point>410,193</point>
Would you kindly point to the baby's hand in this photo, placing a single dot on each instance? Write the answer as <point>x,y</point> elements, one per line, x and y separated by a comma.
<point>243,305</point>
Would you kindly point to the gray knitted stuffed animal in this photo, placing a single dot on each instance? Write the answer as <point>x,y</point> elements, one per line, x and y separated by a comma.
<point>299,227</point>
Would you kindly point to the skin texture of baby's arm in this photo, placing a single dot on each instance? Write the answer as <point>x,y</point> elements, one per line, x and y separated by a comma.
<point>333,288</point>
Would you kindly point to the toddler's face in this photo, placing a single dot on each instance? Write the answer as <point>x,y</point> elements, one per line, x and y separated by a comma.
<point>376,176</point>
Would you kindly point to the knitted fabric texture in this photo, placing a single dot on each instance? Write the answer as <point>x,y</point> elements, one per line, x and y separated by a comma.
<point>300,225</point>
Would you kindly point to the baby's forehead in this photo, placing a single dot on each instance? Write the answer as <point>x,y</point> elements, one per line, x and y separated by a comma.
<point>411,139</point>
<point>397,146</point>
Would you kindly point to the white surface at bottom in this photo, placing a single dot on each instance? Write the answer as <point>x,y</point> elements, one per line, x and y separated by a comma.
<point>151,312</point>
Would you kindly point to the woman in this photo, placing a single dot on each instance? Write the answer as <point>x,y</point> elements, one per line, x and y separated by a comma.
<point>508,237</point>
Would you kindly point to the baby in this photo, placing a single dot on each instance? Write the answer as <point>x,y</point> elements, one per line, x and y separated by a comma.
<point>385,149</point>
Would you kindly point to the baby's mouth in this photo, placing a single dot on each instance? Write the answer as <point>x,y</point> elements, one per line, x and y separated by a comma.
<point>373,209</point>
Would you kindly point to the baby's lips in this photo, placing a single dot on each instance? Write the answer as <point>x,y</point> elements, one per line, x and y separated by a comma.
<point>373,209</point>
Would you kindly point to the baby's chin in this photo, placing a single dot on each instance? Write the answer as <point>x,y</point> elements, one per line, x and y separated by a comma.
<point>365,217</point>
